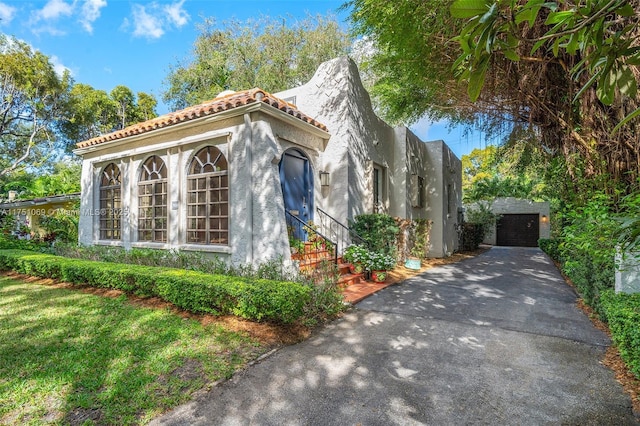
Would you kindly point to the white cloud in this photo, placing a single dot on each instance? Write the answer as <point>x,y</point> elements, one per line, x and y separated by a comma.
<point>176,14</point>
<point>152,20</point>
<point>58,66</point>
<point>146,24</point>
<point>48,29</point>
<point>55,9</point>
<point>6,13</point>
<point>90,11</point>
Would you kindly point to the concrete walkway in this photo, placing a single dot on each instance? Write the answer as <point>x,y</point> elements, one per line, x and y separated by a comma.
<point>495,339</point>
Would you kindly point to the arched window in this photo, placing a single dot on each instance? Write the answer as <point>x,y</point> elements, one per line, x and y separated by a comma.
<point>110,203</point>
<point>152,201</point>
<point>208,198</point>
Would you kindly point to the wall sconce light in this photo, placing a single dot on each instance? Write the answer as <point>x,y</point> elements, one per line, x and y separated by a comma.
<point>324,179</point>
<point>544,218</point>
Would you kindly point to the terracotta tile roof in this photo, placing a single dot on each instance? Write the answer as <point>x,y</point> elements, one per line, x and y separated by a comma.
<point>219,104</point>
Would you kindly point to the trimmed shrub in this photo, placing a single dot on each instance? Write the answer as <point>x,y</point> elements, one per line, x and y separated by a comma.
<point>379,232</point>
<point>471,236</point>
<point>551,247</point>
<point>622,312</point>
<point>254,299</point>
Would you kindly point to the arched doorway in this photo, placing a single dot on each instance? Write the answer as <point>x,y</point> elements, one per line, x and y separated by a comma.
<point>296,179</point>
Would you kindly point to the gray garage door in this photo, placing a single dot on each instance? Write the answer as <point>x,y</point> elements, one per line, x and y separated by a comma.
<point>522,230</point>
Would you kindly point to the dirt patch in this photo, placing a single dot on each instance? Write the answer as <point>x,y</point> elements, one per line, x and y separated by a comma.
<point>190,369</point>
<point>79,416</point>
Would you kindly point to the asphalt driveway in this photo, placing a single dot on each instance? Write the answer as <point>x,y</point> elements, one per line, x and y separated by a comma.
<point>495,339</point>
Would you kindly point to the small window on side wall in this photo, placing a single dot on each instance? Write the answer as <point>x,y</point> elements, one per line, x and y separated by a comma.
<point>378,189</point>
<point>110,203</point>
<point>417,191</point>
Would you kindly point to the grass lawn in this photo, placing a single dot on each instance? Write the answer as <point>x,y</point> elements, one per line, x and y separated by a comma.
<point>69,357</point>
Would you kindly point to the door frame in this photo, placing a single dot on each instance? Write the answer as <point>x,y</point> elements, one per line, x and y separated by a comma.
<point>308,180</point>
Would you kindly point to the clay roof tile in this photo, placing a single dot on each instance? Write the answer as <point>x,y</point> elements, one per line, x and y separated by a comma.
<point>222,103</point>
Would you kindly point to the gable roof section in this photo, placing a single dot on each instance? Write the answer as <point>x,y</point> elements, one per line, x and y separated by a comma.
<point>209,108</point>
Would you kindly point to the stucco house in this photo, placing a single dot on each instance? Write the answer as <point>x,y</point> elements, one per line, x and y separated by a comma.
<point>224,176</point>
<point>29,212</point>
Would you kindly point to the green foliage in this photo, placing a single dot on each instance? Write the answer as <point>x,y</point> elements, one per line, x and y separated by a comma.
<point>419,234</point>
<point>8,241</point>
<point>551,247</point>
<point>471,236</point>
<point>591,31</point>
<point>356,254</point>
<point>622,312</point>
<point>380,262</point>
<point>521,85</point>
<point>255,299</point>
<point>31,95</point>
<point>518,168</point>
<point>407,89</point>
<point>586,51</point>
<point>269,53</point>
<point>629,234</point>
<point>60,226</point>
<point>53,179</point>
<point>379,231</point>
<point>370,260</point>
<point>588,247</point>
<point>124,362</point>
<point>482,216</point>
<point>92,112</point>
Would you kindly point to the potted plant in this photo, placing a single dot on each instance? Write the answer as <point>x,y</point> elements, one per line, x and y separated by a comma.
<point>358,257</point>
<point>419,238</point>
<point>414,260</point>
<point>379,264</point>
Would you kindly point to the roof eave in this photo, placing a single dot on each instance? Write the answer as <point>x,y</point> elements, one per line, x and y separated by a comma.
<point>219,116</point>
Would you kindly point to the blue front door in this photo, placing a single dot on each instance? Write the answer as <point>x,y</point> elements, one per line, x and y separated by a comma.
<point>296,179</point>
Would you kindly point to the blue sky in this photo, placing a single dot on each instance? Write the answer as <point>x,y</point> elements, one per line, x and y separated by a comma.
<point>105,43</point>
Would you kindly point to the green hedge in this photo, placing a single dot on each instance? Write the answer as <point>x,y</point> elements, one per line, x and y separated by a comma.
<point>622,312</point>
<point>551,247</point>
<point>256,299</point>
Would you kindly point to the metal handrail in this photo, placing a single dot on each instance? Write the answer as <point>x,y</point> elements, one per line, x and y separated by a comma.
<point>310,228</point>
<point>352,235</point>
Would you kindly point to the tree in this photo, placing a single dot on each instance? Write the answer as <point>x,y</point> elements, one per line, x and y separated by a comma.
<point>410,58</point>
<point>124,101</point>
<point>547,90</point>
<point>92,112</point>
<point>31,105</point>
<point>587,55</point>
<point>268,53</point>
<point>146,108</point>
<point>505,171</point>
<point>62,178</point>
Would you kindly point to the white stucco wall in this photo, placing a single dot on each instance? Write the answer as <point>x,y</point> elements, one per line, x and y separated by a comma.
<point>336,97</point>
<point>359,139</point>
<point>253,149</point>
<point>444,197</point>
<point>627,278</point>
